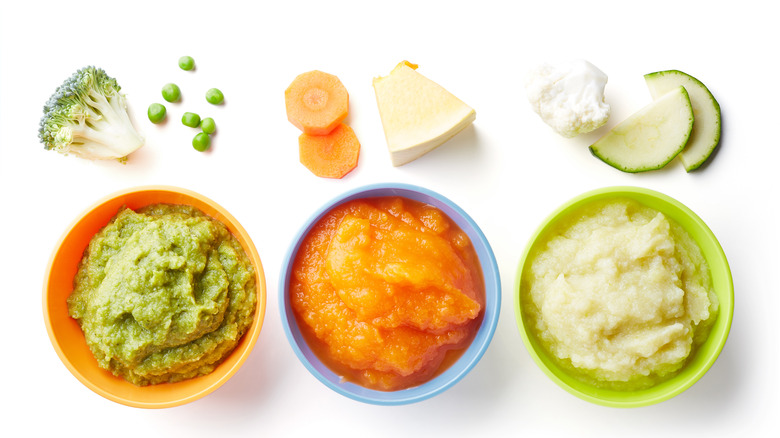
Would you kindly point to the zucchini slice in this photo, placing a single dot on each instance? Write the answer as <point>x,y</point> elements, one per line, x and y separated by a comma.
<point>706,112</point>
<point>649,138</point>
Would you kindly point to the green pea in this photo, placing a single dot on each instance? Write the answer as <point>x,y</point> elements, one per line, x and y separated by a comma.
<point>214,96</point>
<point>190,119</point>
<point>201,142</point>
<point>208,126</point>
<point>186,63</point>
<point>171,92</point>
<point>156,112</point>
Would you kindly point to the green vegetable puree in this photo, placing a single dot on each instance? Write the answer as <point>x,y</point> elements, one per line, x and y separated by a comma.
<point>163,294</point>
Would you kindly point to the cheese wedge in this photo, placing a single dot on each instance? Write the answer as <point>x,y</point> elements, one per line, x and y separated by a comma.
<point>418,115</point>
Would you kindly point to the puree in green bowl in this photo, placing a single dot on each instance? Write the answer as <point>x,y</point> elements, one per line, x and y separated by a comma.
<point>163,294</point>
<point>619,294</point>
<point>700,358</point>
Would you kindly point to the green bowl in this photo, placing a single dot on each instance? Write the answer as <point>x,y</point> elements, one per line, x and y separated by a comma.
<point>702,358</point>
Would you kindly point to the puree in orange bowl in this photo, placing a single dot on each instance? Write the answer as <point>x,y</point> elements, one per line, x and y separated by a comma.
<point>66,334</point>
<point>387,292</point>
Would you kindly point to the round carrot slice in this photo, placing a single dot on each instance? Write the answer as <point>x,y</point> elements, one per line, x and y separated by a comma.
<point>330,156</point>
<point>316,102</point>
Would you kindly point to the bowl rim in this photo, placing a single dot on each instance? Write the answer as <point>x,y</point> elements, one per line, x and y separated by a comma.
<point>242,350</point>
<point>443,381</point>
<point>701,360</point>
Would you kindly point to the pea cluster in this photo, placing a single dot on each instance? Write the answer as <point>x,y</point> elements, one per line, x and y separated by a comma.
<point>172,93</point>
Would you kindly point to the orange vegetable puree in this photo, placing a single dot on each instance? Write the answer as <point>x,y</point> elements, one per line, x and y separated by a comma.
<point>387,291</point>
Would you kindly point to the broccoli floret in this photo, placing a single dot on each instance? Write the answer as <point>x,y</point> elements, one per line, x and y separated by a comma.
<point>87,116</point>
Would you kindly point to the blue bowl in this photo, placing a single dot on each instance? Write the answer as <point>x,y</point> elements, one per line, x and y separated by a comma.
<point>457,370</point>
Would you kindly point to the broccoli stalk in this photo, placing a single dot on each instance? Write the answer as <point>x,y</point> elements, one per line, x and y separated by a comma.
<point>87,117</point>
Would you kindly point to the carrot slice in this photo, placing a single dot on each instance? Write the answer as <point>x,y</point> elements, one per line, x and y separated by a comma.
<point>316,102</point>
<point>330,156</point>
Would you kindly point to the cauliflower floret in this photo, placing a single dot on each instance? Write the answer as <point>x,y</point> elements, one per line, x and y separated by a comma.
<point>568,96</point>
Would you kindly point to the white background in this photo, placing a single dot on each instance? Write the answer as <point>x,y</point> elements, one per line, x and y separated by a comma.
<point>509,171</point>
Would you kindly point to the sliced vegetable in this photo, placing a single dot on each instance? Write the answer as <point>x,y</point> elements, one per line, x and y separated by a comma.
<point>651,137</point>
<point>418,115</point>
<point>87,117</point>
<point>705,135</point>
<point>330,156</point>
<point>316,102</point>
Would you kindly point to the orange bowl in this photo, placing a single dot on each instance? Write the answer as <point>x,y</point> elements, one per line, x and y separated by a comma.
<point>66,335</point>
